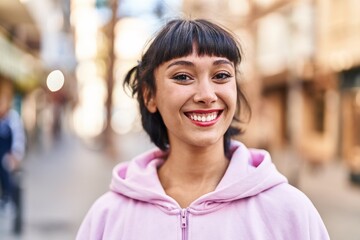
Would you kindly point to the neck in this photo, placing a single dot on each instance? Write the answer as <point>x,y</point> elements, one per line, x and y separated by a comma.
<point>191,172</point>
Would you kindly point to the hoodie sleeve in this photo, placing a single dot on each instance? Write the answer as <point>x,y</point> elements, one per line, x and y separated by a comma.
<point>93,225</point>
<point>19,139</point>
<point>317,229</point>
<point>101,218</point>
<point>290,214</point>
<point>304,219</point>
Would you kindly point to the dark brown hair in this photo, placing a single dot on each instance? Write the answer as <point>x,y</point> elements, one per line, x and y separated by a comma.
<point>176,39</point>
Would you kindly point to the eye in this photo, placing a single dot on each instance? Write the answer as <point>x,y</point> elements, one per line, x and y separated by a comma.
<point>181,77</point>
<point>222,76</point>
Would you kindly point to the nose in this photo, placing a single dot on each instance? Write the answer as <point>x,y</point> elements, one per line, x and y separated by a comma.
<point>205,92</point>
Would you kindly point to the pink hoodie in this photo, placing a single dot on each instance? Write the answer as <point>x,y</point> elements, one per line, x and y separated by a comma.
<point>252,201</point>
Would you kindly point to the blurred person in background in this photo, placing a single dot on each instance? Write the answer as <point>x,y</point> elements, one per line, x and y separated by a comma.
<point>198,183</point>
<point>12,151</point>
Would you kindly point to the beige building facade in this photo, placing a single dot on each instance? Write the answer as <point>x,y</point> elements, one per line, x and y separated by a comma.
<point>299,73</point>
<point>339,56</point>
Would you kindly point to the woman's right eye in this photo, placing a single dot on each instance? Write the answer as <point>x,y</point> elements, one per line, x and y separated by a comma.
<point>181,77</point>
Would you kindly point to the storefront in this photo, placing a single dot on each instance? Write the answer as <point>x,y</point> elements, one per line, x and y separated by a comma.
<point>338,53</point>
<point>18,66</point>
<point>350,118</point>
<point>320,119</point>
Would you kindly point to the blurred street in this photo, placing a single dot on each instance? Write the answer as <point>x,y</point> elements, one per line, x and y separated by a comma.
<point>60,182</point>
<point>63,178</point>
<point>64,62</point>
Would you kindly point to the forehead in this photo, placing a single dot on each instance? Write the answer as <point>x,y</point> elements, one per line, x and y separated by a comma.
<point>196,59</point>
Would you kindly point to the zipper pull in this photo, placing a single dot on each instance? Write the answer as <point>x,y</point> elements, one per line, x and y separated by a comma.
<point>183,218</point>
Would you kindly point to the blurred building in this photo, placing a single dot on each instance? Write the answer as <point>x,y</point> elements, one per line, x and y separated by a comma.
<point>301,73</point>
<point>339,57</point>
<point>109,39</point>
<point>19,46</point>
<point>35,39</point>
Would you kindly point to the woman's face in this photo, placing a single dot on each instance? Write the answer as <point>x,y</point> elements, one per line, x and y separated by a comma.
<point>196,97</point>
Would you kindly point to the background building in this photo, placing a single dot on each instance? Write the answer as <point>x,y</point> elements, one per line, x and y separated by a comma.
<point>301,67</point>
<point>67,59</point>
<point>302,73</point>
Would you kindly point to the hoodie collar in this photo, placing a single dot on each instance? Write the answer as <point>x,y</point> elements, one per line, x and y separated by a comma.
<point>250,172</point>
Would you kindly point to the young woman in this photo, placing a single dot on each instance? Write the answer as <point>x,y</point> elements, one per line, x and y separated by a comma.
<point>198,184</point>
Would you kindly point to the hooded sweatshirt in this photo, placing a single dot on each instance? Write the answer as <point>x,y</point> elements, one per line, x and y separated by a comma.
<point>252,201</point>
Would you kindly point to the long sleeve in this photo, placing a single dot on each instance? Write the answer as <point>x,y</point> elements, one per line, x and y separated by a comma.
<point>19,138</point>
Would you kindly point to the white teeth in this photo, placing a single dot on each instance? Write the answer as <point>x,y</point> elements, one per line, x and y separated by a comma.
<point>203,117</point>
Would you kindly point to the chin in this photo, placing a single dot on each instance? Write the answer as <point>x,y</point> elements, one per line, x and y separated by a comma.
<point>206,142</point>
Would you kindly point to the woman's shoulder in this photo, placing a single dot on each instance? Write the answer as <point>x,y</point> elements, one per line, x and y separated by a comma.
<point>102,213</point>
<point>109,201</point>
<point>288,193</point>
<point>106,205</point>
<point>287,198</point>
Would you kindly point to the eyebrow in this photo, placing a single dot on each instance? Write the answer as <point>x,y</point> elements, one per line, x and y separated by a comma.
<point>187,63</point>
<point>223,61</point>
<point>181,63</point>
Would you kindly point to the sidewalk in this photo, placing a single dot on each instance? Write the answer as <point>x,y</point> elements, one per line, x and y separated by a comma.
<point>60,182</point>
<point>336,198</point>
<point>63,179</point>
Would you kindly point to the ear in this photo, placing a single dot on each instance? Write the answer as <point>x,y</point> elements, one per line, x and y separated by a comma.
<point>149,100</point>
<point>151,105</point>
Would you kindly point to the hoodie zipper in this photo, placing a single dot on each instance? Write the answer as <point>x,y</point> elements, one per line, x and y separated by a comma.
<point>184,223</point>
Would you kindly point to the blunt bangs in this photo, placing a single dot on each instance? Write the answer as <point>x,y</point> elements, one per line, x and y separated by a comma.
<point>198,35</point>
<point>180,38</point>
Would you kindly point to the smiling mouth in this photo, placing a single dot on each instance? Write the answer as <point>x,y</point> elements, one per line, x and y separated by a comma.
<point>203,117</point>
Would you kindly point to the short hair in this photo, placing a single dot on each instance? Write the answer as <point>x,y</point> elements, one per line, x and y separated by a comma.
<point>177,39</point>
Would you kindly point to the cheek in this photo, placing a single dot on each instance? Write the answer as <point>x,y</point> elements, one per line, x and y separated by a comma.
<point>166,99</point>
<point>171,95</point>
<point>168,104</point>
<point>229,95</point>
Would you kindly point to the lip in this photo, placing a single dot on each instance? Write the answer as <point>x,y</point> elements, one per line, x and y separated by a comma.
<point>201,111</point>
